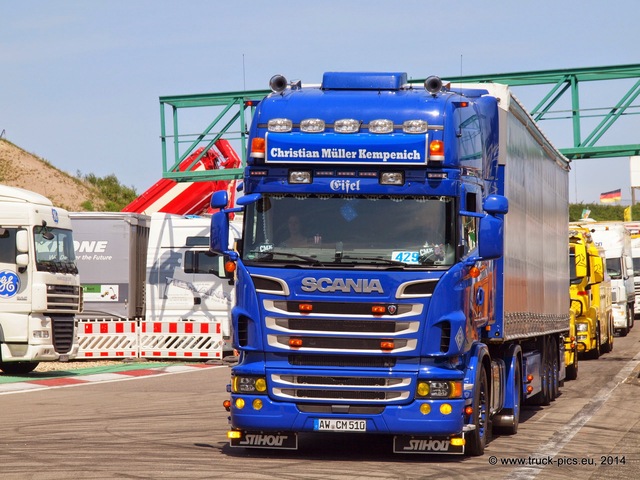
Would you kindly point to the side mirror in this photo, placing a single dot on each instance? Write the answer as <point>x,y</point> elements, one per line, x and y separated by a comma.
<point>597,267</point>
<point>496,205</point>
<point>22,241</point>
<point>491,227</point>
<point>490,237</point>
<point>219,199</point>
<point>22,260</point>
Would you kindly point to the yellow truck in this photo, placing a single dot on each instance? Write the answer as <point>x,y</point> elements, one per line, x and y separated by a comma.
<point>590,293</point>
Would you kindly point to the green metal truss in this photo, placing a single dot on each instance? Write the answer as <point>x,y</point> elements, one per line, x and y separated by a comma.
<point>227,115</point>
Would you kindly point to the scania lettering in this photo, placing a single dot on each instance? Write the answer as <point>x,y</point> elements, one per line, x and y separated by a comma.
<point>341,285</point>
<point>40,293</point>
<point>411,279</point>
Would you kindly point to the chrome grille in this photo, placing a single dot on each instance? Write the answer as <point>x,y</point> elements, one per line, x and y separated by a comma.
<point>341,388</point>
<point>63,298</point>
<point>368,337</point>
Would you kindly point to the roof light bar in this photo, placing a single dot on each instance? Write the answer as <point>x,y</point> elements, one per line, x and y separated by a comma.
<point>280,125</point>
<point>381,126</point>
<point>346,125</point>
<point>415,126</point>
<point>312,125</point>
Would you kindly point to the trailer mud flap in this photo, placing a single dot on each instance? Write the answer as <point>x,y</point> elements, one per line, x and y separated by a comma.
<point>279,440</point>
<point>415,444</point>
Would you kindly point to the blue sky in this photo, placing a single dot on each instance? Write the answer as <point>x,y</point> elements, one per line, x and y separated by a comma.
<point>80,80</point>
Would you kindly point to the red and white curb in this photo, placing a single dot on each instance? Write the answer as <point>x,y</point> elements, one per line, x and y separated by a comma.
<point>80,379</point>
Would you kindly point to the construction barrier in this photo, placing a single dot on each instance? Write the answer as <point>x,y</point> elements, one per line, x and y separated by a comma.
<point>181,340</point>
<point>109,338</point>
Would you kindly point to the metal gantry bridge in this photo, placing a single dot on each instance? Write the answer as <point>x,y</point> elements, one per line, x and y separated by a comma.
<point>227,115</point>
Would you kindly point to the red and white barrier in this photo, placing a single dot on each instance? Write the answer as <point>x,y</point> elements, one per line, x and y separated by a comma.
<point>116,338</point>
<point>107,338</point>
<point>181,340</point>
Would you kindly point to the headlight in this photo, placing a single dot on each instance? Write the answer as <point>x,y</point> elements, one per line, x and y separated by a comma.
<point>581,327</point>
<point>248,385</point>
<point>439,389</point>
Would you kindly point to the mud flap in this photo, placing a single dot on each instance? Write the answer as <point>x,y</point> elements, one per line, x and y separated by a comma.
<point>275,441</point>
<point>417,444</point>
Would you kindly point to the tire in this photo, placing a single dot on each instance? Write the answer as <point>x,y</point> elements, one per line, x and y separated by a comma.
<point>478,437</point>
<point>18,368</point>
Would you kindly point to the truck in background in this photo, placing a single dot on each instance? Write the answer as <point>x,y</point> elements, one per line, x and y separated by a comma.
<point>615,239</point>
<point>111,252</point>
<point>590,294</point>
<point>634,230</point>
<point>185,281</point>
<point>409,303</point>
<point>157,268</point>
<point>40,292</point>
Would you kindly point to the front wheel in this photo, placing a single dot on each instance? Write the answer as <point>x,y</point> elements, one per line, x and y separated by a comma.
<point>478,436</point>
<point>18,368</point>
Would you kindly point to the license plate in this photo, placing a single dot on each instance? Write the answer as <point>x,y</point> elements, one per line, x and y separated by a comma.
<point>336,425</point>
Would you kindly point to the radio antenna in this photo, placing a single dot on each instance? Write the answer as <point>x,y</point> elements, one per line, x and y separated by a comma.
<point>244,76</point>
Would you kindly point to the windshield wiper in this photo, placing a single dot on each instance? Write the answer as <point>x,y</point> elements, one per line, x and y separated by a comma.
<point>313,261</point>
<point>375,259</point>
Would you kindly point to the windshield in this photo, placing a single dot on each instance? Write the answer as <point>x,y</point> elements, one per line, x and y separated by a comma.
<point>636,266</point>
<point>614,268</point>
<point>377,231</point>
<point>54,250</point>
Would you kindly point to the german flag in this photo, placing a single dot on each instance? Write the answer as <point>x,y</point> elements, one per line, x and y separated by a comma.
<point>611,197</point>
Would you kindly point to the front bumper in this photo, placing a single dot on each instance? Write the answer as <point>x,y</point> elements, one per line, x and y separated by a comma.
<point>396,419</point>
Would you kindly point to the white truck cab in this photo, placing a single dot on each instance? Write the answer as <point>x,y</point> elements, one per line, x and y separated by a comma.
<point>185,281</point>
<point>40,290</point>
<point>616,241</point>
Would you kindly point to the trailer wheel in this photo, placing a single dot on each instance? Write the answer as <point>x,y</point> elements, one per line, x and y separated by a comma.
<point>18,368</point>
<point>478,436</point>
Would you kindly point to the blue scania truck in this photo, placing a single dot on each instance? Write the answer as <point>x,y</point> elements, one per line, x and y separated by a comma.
<point>403,266</point>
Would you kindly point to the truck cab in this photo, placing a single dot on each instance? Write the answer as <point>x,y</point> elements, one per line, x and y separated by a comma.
<point>590,293</point>
<point>40,290</point>
<point>615,240</point>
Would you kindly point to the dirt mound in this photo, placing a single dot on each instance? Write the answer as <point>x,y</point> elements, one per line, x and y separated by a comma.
<point>19,168</point>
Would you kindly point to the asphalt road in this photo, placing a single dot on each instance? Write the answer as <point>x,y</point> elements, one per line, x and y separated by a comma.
<point>173,426</point>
